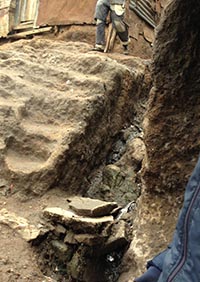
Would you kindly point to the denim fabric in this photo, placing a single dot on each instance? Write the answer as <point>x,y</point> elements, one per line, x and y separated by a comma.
<point>101,13</point>
<point>181,261</point>
<point>151,275</point>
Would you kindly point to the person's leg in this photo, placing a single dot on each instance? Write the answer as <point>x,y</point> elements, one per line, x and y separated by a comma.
<point>121,29</point>
<point>100,34</point>
<point>101,13</point>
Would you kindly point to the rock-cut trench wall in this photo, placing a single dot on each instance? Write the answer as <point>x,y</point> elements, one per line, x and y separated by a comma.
<point>171,131</point>
<point>172,121</point>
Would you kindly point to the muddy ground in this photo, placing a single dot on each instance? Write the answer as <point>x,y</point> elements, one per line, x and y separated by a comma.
<point>18,261</point>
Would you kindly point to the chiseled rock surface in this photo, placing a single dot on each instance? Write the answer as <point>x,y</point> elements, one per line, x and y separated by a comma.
<point>91,207</point>
<point>60,106</point>
<point>172,121</point>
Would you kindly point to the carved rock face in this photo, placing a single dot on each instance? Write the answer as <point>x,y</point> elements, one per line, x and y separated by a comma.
<point>172,135</point>
<point>60,111</point>
<point>172,120</point>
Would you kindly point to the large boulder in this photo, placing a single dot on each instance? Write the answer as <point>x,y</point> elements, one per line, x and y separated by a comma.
<point>60,107</point>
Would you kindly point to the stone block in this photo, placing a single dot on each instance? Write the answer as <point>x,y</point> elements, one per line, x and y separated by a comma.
<point>91,207</point>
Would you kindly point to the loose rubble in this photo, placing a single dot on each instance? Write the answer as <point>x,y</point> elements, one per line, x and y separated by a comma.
<point>21,225</point>
<point>77,242</point>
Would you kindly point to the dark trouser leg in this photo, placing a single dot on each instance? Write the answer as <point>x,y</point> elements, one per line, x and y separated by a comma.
<point>101,13</point>
<point>121,28</point>
<point>100,32</point>
<point>124,37</point>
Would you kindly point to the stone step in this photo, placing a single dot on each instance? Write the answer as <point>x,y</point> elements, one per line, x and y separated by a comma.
<point>19,163</point>
<point>59,79</point>
<point>38,146</point>
<point>49,131</point>
<point>26,146</point>
<point>91,207</point>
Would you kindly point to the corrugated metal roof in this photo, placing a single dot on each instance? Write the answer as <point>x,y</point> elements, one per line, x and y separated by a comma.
<point>144,9</point>
<point>28,10</point>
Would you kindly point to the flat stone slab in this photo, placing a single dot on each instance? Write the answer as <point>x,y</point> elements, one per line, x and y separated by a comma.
<point>91,207</point>
<point>76,222</point>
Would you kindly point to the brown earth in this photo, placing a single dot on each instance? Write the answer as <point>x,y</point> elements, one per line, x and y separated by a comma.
<point>141,37</point>
<point>17,260</point>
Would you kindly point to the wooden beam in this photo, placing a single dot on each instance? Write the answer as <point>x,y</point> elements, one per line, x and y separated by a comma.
<point>110,27</point>
<point>110,40</point>
<point>30,32</point>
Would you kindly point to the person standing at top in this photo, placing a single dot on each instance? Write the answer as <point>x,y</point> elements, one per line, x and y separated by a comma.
<point>117,10</point>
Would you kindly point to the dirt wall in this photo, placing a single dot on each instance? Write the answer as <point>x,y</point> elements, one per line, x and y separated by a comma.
<point>67,12</point>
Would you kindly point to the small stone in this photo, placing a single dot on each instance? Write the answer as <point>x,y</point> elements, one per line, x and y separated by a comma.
<point>76,266</point>
<point>118,238</point>
<point>88,239</point>
<point>21,225</point>
<point>112,176</point>
<point>69,238</point>
<point>149,34</point>
<point>59,246</point>
<point>138,149</point>
<point>59,229</point>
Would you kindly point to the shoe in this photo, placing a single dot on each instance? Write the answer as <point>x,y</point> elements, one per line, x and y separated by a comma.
<point>125,47</point>
<point>98,48</point>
